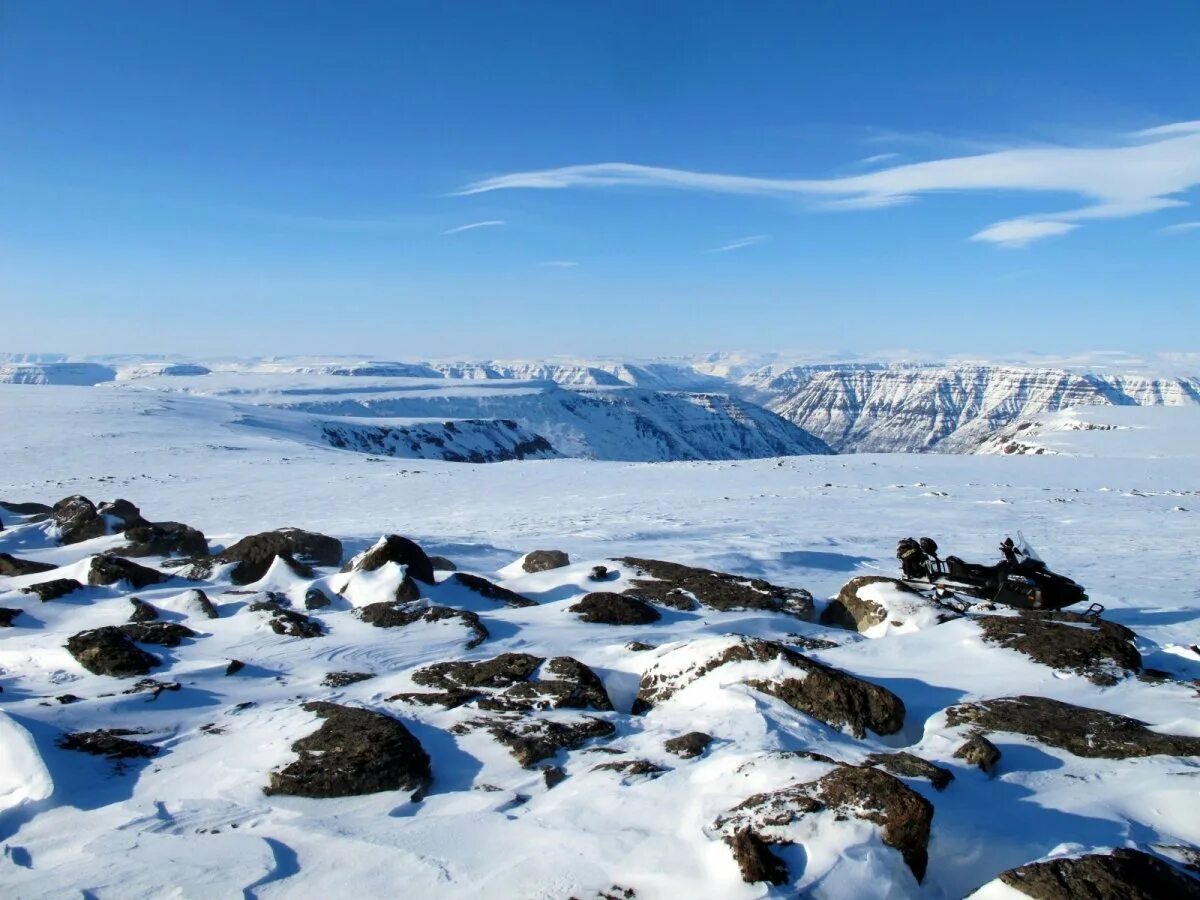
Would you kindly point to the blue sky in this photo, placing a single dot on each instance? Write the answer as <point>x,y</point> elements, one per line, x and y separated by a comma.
<point>297,177</point>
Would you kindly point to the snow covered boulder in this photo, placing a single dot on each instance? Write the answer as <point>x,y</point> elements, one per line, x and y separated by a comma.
<point>681,587</point>
<point>354,752</point>
<point>909,765</point>
<point>829,695</point>
<point>13,567</point>
<point>1103,652</point>
<point>109,651</point>
<point>544,560</point>
<point>563,683</point>
<point>689,745</point>
<point>532,740</point>
<point>255,553</point>
<point>396,614</point>
<point>400,551</point>
<point>490,590</point>
<point>1079,730</point>
<point>1123,874</point>
<point>809,811</point>
<point>286,621</point>
<point>875,606</point>
<point>606,608</point>
<point>164,539</point>
<point>76,519</point>
<point>109,569</point>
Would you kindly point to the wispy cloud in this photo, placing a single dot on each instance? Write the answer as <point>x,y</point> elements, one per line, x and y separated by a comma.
<point>560,264</point>
<point>877,158</point>
<point>488,224</point>
<point>1180,228</point>
<point>740,243</point>
<point>1133,174</point>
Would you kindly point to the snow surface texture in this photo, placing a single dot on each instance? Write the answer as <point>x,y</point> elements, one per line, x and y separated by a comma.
<point>194,821</point>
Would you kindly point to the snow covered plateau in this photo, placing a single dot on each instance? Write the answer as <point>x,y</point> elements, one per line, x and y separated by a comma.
<point>349,671</point>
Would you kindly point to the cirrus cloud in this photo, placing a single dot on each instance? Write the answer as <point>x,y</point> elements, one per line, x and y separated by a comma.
<point>1132,174</point>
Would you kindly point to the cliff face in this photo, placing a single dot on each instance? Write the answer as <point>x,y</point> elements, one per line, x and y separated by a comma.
<point>944,408</point>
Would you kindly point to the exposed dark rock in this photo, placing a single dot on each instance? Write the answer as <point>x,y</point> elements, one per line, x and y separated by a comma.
<point>296,547</point>
<point>109,651</point>
<point>68,699</point>
<point>909,765</point>
<point>153,686</point>
<point>490,590</point>
<point>449,699</point>
<point>26,510</point>
<point>109,569</point>
<point>164,539</point>
<point>77,520</point>
<point>1076,729</point>
<point>574,686</point>
<point>606,608</point>
<point>192,568</point>
<point>235,666</point>
<point>7,616</point>
<point>392,548</point>
<point>903,815</point>
<point>755,859</point>
<point>857,613</point>
<point>344,679</point>
<point>532,740</point>
<point>52,590</point>
<point>315,598</point>
<point>501,671</point>
<point>12,566</point>
<point>980,752</point>
<point>290,623</point>
<point>406,588</point>
<point>198,600</point>
<point>166,634</point>
<point>805,642</point>
<point>688,745</point>
<point>397,615</point>
<point>598,573</point>
<point>675,585</point>
<point>1124,874</point>
<point>544,560</point>
<point>631,768</point>
<point>441,564</point>
<point>639,646</point>
<point>126,514</point>
<point>553,776</point>
<point>142,611</point>
<point>1101,651</point>
<point>355,751</point>
<point>827,694</point>
<point>113,743</point>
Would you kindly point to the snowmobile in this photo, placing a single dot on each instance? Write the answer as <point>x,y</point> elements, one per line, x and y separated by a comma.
<point>1020,579</point>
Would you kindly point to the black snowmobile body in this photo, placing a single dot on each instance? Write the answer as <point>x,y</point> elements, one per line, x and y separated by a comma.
<point>1020,579</point>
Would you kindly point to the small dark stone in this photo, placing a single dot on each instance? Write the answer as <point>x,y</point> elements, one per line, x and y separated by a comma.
<point>110,742</point>
<point>688,745</point>
<point>344,679</point>
<point>354,752</point>
<point>235,666</point>
<point>166,634</point>
<point>109,651</point>
<point>553,776</point>
<point>441,564</point>
<point>979,751</point>
<point>490,590</point>
<point>639,646</point>
<point>52,590</point>
<point>395,549</point>
<point>909,765</point>
<point>607,608</point>
<point>142,611</point>
<point>1124,874</point>
<point>544,560</point>
<point>12,566</point>
<point>315,598</point>
<point>109,569</point>
<point>67,699</point>
<point>7,615</point>
<point>599,573</point>
<point>152,686</point>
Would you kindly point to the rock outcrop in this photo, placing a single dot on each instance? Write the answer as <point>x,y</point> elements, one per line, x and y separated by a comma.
<point>109,651</point>
<point>392,548</point>
<point>109,569</point>
<point>1103,652</point>
<point>490,590</point>
<point>681,587</point>
<point>606,608</point>
<point>1123,874</point>
<point>13,567</point>
<point>53,589</point>
<point>544,560</point>
<point>301,549</point>
<point>398,615</point>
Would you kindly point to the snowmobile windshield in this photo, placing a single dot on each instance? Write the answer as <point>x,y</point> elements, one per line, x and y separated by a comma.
<point>1025,551</point>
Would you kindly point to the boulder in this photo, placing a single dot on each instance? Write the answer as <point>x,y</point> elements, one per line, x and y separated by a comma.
<point>754,858</point>
<point>7,615</point>
<point>1123,874</point>
<point>52,590</point>
<point>448,699</point>
<point>490,590</point>
<point>196,602</point>
<point>164,539</point>
<point>1079,730</point>
<point>875,605</point>
<point>254,554</point>
<point>532,740</point>
<point>315,598</point>
<point>392,548</point>
<point>397,615</point>
<point>109,569</point>
<point>909,765</point>
<point>631,768</point>
<point>344,679</point>
<point>13,567</point>
<point>501,671</point>
<point>354,752</point>
<point>606,608</point>
<point>121,515</point>
<point>680,587</point>
<point>165,634</point>
<point>286,621</point>
<point>544,560</point>
<point>112,743</point>
<point>689,745</point>
<point>142,611</point>
<point>441,564</point>
<point>780,817</point>
<point>29,511</point>
<point>979,752</point>
<point>77,519</point>
<point>829,695</point>
<point>109,651</point>
<point>1103,652</point>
